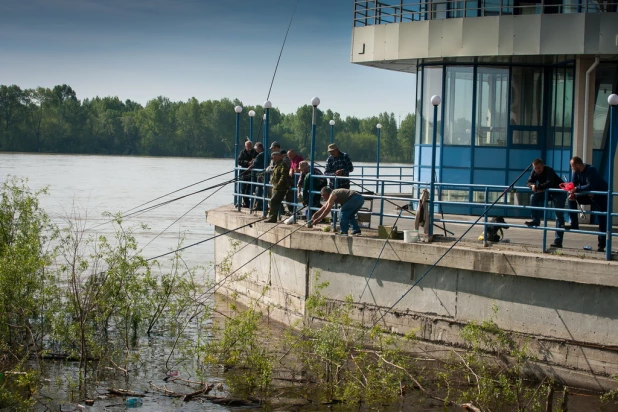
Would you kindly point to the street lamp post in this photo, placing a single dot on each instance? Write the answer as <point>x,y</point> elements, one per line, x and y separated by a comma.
<point>613,101</point>
<point>435,101</point>
<point>267,106</point>
<point>314,102</point>
<point>379,127</point>
<point>251,116</point>
<point>237,198</point>
<point>332,131</point>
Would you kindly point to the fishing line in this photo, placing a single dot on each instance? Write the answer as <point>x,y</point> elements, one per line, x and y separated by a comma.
<point>147,209</point>
<point>277,65</point>
<point>450,248</point>
<point>220,282</point>
<point>206,240</point>
<point>175,221</point>
<point>378,259</point>
<point>170,193</point>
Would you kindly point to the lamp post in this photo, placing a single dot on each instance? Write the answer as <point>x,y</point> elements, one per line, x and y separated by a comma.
<point>237,199</point>
<point>332,131</point>
<point>251,116</point>
<point>435,101</point>
<point>267,106</point>
<point>613,101</point>
<point>379,127</point>
<point>314,102</point>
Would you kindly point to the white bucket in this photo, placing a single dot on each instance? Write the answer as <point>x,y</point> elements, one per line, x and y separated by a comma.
<point>410,236</point>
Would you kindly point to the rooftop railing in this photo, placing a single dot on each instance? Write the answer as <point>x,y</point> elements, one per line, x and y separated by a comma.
<point>369,13</point>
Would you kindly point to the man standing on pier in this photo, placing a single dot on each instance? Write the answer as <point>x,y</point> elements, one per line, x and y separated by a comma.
<point>281,183</point>
<point>338,164</point>
<point>541,179</point>
<point>244,160</point>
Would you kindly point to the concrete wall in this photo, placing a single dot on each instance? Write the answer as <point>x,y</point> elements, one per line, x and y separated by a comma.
<point>565,306</point>
<point>526,35</point>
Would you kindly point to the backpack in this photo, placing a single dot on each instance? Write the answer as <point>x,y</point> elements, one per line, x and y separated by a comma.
<point>495,233</point>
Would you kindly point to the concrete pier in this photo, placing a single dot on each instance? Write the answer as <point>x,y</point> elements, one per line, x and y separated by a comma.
<point>565,306</point>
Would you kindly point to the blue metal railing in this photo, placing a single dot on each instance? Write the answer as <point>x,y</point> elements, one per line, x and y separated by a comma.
<point>411,197</point>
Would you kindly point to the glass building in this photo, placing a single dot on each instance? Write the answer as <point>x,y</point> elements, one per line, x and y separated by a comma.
<point>519,79</point>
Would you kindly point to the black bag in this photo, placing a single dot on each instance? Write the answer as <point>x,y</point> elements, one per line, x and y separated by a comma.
<point>495,233</point>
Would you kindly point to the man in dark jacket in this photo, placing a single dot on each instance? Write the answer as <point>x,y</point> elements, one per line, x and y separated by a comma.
<point>244,160</point>
<point>586,178</point>
<point>543,178</point>
<point>257,177</point>
<point>281,183</point>
<point>338,164</point>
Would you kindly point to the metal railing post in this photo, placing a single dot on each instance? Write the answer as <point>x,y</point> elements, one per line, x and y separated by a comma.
<point>379,127</point>
<point>381,206</point>
<point>613,101</point>
<point>435,101</point>
<point>267,106</point>
<point>545,199</point>
<point>237,186</point>
<point>314,102</point>
<point>485,244</point>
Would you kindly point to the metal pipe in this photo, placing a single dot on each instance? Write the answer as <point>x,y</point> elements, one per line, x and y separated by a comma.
<point>613,101</point>
<point>314,102</point>
<point>237,185</point>
<point>435,101</point>
<point>597,60</point>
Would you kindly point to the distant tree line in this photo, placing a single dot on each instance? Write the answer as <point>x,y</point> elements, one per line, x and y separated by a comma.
<point>55,121</point>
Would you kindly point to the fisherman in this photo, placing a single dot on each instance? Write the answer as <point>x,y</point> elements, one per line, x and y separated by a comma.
<point>350,201</point>
<point>244,160</point>
<point>541,179</point>
<point>338,164</point>
<point>281,183</point>
<point>586,178</point>
<point>258,177</point>
<point>304,184</point>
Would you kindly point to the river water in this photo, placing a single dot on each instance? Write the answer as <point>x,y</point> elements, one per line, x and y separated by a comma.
<point>87,186</point>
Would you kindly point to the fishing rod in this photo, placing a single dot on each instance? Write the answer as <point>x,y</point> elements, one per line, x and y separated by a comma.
<point>451,247</point>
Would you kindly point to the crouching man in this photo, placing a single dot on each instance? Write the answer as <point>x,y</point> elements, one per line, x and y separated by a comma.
<point>350,201</point>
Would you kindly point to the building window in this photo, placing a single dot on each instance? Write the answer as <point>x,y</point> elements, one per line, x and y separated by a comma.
<point>459,91</point>
<point>561,119</point>
<point>491,106</point>
<point>432,85</point>
<point>526,113</point>
<point>604,85</point>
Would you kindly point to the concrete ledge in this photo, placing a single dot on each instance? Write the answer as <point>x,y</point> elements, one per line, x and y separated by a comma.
<point>564,308</point>
<point>490,260</point>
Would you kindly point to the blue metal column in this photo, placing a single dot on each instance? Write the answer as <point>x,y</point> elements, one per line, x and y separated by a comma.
<point>435,101</point>
<point>237,198</point>
<point>379,127</point>
<point>253,182</point>
<point>332,131</point>
<point>314,102</point>
<point>613,101</point>
<point>267,106</point>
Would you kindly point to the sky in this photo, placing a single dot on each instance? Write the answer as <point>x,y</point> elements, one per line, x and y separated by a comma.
<point>207,49</point>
